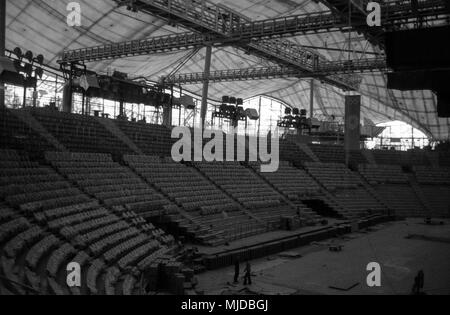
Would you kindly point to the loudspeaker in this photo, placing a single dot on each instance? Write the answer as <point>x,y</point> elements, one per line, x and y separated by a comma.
<point>422,49</point>
<point>187,101</point>
<point>9,73</point>
<point>89,81</point>
<point>418,80</point>
<point>120,75</point>
<point>165,98</point>
<point>176,101</point>
<point>443,106</point>
<point>252,114</point>
<point>6,65</point>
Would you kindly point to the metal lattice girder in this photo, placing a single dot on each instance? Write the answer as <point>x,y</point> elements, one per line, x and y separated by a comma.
<point>206,17</point>
<point>244,30</point>
<point>395,13</point>
<point>320,22</point>
<point>336,69</point>
<point>137,47</point>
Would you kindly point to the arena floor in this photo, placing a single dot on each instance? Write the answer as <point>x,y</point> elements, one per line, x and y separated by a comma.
<point>318,269</point>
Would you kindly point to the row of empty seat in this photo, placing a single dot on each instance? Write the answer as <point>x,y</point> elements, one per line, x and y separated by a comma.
<point>389,157</point>
<point>86,134</point>
<point>109,182</point>
<point>433,176</point>
<point>329,153</point>
<point>17,135</point>
<point>347,189</point>
<point>194,193</point>
<point>80,133</point>
<point>151,139</point>
<point>381,174</point>
<point>248,188</point>
<point>53,223</point>
<point>291,181</point>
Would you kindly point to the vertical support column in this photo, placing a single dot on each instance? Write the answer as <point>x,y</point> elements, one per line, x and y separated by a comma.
<point>83,104</point>
<point>204,108</point>
<point>167,115</point>
<point>56,91</point>
<point>67,97</point>
<point>311,100</point>
<point>121,109</point>
<point>260,115</point>
<point>2,45</point>
<point>352,125</point>
<point>311,104</point>
<point>24,94</point>
<point>35,95</point>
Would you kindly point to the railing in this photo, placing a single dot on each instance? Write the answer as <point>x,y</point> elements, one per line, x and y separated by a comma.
<point>137,47</point>
<point>246,230</point>
<point>328,68</point>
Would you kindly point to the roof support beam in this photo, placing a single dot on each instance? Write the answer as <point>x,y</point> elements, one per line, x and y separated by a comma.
<point>204,108</point>
<point>245,31</point>
<point>334,69</point>
<point>205,17</point>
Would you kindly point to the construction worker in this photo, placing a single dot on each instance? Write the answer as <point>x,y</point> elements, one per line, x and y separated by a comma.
<point>248,274</point>
<point>236,271</point>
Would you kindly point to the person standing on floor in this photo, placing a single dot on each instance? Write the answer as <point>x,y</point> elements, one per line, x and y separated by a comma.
<point>236,271</point>
<point>248,274</point>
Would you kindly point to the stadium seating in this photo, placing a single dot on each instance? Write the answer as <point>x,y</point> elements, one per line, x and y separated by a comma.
<point>357,157</point>
<point>195,194</point>
<point>109,182</point>
<point>387,157</point>
<point>248,189</point>
<point>151,139</point>
<point>394,187</point>
<point>383,174</point>
<point>17,135</point>
<point>329,153</point>
<point>347,189</point>
<point>90,209</point>
<point>52,220</point>
<point>438,199</point>
<point>434,184</point>
<point>415,157</point>
<point>289,151</point>
<point>290,181</point>
<point>444,159</point>
<point>80,133</point>
<point>432,176</point>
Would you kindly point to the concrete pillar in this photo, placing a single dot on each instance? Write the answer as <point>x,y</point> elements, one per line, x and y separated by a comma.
<point>167,115</point>
<point>168,111</point>
<point>352,125</point>
<point>67,98</point>
<point>207,70</point>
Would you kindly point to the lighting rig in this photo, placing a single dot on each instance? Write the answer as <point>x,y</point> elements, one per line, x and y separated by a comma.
<point>233,110</point>
<point>22,69</point>
<point>295,119</point>
<point>120,88</point>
